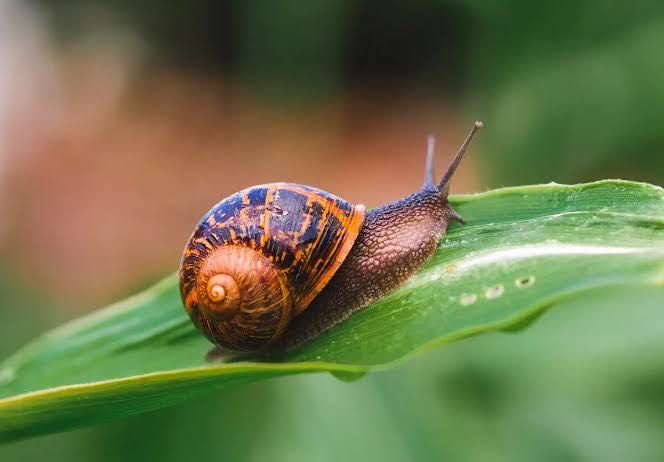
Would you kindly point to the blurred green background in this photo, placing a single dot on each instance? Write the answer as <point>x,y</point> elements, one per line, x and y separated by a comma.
<point>122,122</point>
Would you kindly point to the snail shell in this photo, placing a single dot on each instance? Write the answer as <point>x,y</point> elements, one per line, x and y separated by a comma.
<point>259,257</point>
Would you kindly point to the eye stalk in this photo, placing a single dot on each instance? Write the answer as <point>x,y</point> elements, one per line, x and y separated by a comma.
<point>444,185</point>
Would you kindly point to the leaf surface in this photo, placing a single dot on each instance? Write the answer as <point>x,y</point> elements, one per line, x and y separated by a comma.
<point>523,250</point>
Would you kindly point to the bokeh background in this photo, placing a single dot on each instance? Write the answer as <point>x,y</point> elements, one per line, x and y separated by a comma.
<point>121,122</point>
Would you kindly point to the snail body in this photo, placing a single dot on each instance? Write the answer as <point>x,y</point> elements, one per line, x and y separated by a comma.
<point>273,266</point>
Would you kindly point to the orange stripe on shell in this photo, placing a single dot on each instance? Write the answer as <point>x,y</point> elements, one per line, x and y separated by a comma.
<point>352,226</point>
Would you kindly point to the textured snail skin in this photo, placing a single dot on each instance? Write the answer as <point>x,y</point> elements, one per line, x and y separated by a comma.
<point>395,241</point>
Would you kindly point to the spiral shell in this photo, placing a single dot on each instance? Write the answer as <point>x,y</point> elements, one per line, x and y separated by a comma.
<point>259,257</point>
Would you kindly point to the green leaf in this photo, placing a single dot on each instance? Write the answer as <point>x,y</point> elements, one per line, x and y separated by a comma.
<point>523,250</point>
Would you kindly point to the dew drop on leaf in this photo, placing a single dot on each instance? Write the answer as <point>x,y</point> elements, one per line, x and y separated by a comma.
<point>467,299</point>
<point>494,291</point>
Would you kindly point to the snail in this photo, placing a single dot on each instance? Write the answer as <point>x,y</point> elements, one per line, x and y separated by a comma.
<point>273,266</point>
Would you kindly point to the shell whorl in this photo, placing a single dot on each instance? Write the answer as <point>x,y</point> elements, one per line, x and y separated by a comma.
<point>259,257</point>
<point>240,299</point>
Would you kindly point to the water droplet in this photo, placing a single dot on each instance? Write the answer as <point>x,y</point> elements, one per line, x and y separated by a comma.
<point>467,299</point>
<point>526,281</point>
<point>494,291</point>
